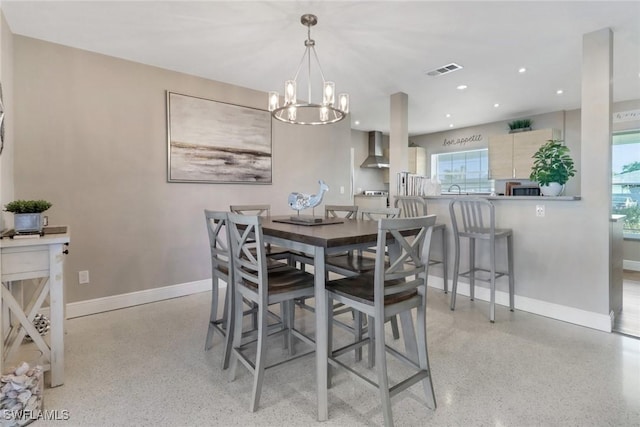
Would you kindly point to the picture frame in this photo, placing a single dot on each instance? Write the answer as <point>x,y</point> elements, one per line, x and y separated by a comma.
<point>216,142</point>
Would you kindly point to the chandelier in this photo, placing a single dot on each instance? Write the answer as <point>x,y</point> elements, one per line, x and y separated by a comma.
<point>307,113</point>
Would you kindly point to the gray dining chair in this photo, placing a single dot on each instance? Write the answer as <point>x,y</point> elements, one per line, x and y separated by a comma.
<point>221,270</point>
<point>412,206</point>
<point>254,282</point>
<point>359,262</point>
<point>393,288</point>
<point>474,219</point>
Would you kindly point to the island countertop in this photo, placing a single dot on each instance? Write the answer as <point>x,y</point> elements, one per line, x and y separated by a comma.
<point>510,198</point>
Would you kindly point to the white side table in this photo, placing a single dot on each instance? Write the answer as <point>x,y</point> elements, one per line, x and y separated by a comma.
<point>34,258</point>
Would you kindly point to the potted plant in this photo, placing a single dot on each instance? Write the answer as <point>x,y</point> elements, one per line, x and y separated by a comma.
<point>552,167</point>
<point>28,214</point>
<point>521,125</point>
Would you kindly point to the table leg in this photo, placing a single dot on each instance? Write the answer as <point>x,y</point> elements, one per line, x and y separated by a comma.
<point>322,343</point>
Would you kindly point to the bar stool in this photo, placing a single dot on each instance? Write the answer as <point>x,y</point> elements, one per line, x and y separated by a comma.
<point>474,218</point>
<point>413,206</point>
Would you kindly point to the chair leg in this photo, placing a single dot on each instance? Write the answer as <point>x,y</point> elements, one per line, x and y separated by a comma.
<point>492,303</point>
<point>357,332</point>
<point>284,320</point>
<point>371,331</point>
<point>290,307</point>
<point>445,263</point>
<point>383,380</point>
<point>394,328</point>
<point>213,316</point>
<point>472,268</point>
<point>456,271</point>
<point>258,375</point>
<point>511,277</point>
<point>237,334</point>
<point>329,339</point>
<point>423,356</point>
<point>229,326</point>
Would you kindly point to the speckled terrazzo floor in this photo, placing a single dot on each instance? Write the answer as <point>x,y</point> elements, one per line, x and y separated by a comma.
<point>145,366</point>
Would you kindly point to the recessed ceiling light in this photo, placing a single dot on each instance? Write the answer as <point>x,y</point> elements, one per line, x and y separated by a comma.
<point>559,92</point>
<point>451,125</point>
<point>522,70</point>
<point>462,87</point>
<point>357,122</point>
<point>496,105</point>
<point>447,115</point>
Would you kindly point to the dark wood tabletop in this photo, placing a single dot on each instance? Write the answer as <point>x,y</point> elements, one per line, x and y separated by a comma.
<point>349,232</point>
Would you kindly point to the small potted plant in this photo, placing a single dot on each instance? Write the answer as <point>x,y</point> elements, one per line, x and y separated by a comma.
<point>28,214</point>
<point>521,125</point>
<point>552,167</point>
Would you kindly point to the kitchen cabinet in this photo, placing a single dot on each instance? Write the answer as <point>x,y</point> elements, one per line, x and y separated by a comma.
<point>417,162</point>
<point>367,202</point>
<point>511,155</point>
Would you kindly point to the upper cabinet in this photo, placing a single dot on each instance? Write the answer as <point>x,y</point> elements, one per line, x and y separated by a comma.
<point>511,155</point>
<point>417,164</point>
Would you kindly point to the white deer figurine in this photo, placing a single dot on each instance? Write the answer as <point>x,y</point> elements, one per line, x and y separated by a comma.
<point>299,201</point>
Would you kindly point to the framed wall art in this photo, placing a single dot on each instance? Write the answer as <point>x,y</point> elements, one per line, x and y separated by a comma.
<point>216,142</point>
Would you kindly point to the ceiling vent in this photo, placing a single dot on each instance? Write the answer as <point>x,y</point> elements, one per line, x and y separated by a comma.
<point>445,69</point>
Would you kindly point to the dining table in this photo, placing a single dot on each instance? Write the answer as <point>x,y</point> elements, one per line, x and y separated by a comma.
<point>319,240</point>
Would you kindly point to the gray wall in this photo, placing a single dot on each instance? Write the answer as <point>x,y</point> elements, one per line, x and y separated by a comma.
<point>6,78</point>
<point>91,138</point>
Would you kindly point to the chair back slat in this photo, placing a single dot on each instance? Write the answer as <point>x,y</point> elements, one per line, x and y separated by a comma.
<point>413,235</point>
<point>247,250</point>
<point>341,211</point>
<point>377,213</point>
<point>219,241</point>
<point>472,216</point>
<point>411,206</point>
<point>258,210</point>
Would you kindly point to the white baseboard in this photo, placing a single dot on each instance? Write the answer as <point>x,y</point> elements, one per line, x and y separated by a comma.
<point>115,302</point>
<point>628,264</point>
<point>576,316</point>
<point>601,322</point>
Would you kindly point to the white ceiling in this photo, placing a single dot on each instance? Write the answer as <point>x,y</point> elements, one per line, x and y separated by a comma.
<point>370,49</point>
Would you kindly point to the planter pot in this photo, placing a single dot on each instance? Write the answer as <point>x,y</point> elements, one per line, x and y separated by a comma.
<point>519,130</point>
<point>28,223</point>
<point>553,189</point>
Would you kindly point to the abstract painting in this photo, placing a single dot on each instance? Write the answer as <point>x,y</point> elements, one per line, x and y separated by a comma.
<point>216,142</point>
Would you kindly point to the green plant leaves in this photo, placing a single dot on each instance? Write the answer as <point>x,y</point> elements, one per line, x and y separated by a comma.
<point>552,163</point>
<point>27,206</point>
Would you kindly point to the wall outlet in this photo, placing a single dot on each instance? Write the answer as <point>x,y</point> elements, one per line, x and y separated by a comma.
<point>83,277</point>
<point>342,189</point>
<point>540,210</point>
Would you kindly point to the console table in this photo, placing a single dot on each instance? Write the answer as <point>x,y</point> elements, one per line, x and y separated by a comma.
<point>39,258</point>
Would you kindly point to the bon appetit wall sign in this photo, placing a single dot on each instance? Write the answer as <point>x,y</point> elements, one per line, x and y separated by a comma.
<point>463,141</point>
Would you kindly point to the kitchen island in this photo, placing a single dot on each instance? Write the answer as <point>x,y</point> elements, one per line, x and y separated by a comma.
<point>552,253</point>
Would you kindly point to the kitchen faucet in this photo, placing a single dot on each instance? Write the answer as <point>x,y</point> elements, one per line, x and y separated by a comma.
<point>454,185</point>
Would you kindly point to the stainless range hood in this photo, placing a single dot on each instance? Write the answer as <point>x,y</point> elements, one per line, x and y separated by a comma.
<point>375,159</point>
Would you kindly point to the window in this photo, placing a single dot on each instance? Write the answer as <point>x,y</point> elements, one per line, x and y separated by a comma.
<point>468,169</point>
<point>625,188</point>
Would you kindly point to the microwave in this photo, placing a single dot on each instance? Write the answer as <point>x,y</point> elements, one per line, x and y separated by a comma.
<point>525,190</point>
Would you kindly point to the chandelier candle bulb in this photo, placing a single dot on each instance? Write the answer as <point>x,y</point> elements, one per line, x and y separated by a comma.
<point>274,101</point>
<point>324,114</point>
<point>290,92</point>
<point>329,93</point>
